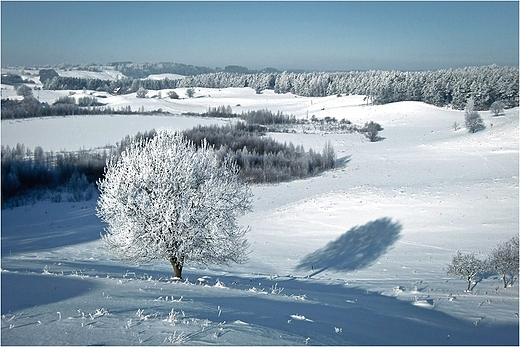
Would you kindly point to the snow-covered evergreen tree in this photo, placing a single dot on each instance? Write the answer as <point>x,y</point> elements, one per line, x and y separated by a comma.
<point>166,199</point>
<point>472,118</point>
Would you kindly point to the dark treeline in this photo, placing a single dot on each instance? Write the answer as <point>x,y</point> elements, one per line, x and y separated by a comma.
<point>30,174</point>
<point>13,79</point>
<point>258,117</point>
<point>262,159</point>
<point>121,86</point>
<point>266,121</point>
<point>452,87</point>
<point>26,173</point>
<point>65,106</point>
<point>143,70</point>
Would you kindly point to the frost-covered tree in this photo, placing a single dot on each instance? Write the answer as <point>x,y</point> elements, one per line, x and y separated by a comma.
<point>24,91</point>
<point>504,260</point>
<point>166,199</point>
<point>465,266</point>
<point>329,156</point>
<point>497,107</point>
<point>141,93</point>
<point>190,92</point>
<point>371,130</point>
<point>472,118</point>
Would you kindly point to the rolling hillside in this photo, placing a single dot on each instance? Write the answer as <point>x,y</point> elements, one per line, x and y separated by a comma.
<point>354,256</point>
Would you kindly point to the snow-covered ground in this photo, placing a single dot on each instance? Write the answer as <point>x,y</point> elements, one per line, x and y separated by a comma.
<point>102,74</point>
<point>354,256</point>
<point>162,76</point>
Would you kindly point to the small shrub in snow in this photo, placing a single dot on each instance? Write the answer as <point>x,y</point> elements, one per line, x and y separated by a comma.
<point>497,107</point>
<point>173,317</point>
<point>456,126</point>
<point>173,95</point>
<point>177,338</point>
<point>275,289</point>
<point>371,131</point>
<point>465,266</point>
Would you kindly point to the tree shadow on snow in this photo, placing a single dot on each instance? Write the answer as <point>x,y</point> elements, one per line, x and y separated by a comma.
<point>23,291</point>
<point>48,231</point>
<point>343,161</point>
<point>358,248</point>
<point>335,314</point>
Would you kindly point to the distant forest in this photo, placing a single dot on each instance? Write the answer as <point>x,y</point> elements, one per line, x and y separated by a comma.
<point>451,87</point>
<point>30,107</point>
<point>143,70</point>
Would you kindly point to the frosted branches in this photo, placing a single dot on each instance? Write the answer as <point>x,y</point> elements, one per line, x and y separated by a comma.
<point>166,199</point>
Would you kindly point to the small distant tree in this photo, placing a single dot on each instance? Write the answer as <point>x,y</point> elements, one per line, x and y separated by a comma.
<point>141,93</point>
<point>39,155</point>
<point>456,126</point>
<point>465,266</point>
<point>24,91</point>
<point>190,92</point>
<point>371,131</point>
<point>166,199</point>
<point>472,118</point>
<point>173,95</point>
<point>504,260</point>
<point>497,107</point>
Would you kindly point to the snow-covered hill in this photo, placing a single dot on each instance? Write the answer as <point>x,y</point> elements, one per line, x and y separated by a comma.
<point>104,74</point>
<point>354,256</point>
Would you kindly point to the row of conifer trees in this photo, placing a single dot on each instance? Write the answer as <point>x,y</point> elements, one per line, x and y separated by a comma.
<point>453,87</point>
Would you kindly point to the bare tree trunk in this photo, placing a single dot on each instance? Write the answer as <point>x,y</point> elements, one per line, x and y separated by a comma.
<point>177,266</point>
<point>469,284</point>
<point>505,280</point>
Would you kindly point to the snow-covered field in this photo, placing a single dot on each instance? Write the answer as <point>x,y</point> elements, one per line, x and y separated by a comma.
<point>354,256</point>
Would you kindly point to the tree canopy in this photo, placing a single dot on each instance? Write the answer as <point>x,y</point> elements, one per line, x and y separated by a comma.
<point>166,199</point>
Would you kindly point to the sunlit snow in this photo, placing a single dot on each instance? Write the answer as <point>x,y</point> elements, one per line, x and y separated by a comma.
<point>354,256</point>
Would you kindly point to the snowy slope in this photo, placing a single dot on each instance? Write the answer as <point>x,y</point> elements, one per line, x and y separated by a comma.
<point>316,274</point>
<point>102,74</point>
<point>162,76</point>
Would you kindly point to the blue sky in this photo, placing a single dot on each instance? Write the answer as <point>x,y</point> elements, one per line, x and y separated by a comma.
<point>284,35</point>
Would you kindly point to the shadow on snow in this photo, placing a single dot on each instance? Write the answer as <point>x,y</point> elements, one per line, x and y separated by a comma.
<point>23,291</point>
<point>57,229</point>
<point>332,314</point>
<point>281,310</point>
<point>358,248</point>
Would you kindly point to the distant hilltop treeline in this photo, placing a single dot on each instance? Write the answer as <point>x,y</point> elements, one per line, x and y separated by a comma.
<point>143,70</point>
<point>448,87</point>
